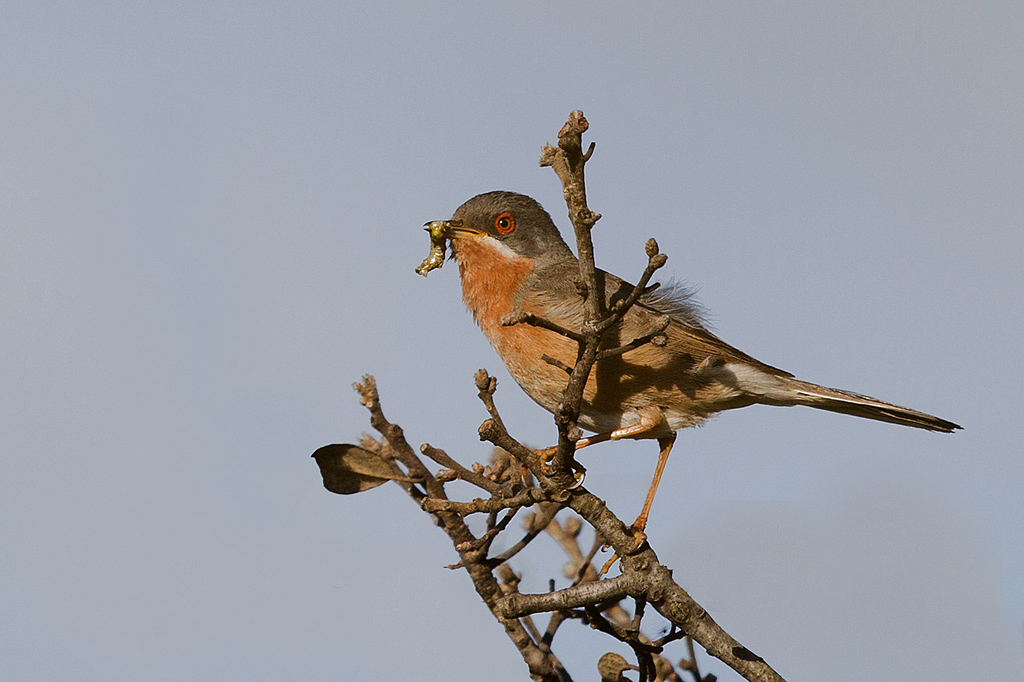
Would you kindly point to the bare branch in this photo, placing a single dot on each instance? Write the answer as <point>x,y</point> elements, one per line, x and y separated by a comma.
<point>486,385</point>
<point>543,666</point>
<point>568,162</point>
<point>667,597</point>
<point>395,438</point>
<point>535,527</point>
<point>442,458</point>
<point>655,260</point>
<point>523,317</point>
<point>494,432</point>
<point>584,594</point>
<point>652,337</point>
<point>555,362</point>
<point>524,498</point>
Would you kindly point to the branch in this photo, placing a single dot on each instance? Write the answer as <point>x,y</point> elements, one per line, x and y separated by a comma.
<point>525,498</point>
<point>555,362</point>
<point>483,544</point>
<point>577,596</point>
<point>555,485</point>
<point>568,162</point>
<point>493,430</point>
<point>523,317</point>
<point>691,666</point>
<point>667,597</point>
<point>442,458</point>
<point>652,337</point>
<point>655,260</point>
<point>643,577</point>
<point>395,437</point>
<point>543,666</point>
<point>535,526</point>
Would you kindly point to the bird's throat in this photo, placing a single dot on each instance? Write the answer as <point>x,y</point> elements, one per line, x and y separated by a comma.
<point>491,278</point>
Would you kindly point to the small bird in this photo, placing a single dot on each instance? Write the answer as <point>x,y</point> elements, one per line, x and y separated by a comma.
<point>512,259</point>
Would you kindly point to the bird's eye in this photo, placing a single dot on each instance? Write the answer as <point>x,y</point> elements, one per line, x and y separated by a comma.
<point>505,223</point>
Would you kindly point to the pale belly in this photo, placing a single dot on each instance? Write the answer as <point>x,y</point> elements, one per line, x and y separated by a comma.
<point>612,399</point>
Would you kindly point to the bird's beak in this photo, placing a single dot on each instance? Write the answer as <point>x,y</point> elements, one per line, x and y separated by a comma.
<point>453,229</point>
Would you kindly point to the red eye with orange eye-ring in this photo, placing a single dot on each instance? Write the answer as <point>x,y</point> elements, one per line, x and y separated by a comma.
<point>505,223</point>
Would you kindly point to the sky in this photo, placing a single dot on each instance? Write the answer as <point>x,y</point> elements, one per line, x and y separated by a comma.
<point>210,214</point>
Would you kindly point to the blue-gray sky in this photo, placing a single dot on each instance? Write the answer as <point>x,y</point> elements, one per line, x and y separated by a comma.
<point>209,218</point>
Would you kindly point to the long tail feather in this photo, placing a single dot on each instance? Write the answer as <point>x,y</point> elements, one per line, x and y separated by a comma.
<point>845,402</point>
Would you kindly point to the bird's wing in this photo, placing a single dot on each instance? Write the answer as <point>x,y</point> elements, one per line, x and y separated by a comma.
<point>687,335</point>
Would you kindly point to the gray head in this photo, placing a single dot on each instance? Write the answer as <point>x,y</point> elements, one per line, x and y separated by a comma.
<point>516,220</point>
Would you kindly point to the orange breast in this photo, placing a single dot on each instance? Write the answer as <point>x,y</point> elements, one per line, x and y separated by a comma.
<point>491,281</point>
<point>491,276</point>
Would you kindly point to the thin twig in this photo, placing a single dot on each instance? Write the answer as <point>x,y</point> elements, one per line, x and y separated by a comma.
<point>442,458</point>
<point>555,362</point>
<point>537,526</point>
<point>523,317</point>
<point>673,634</point>
<point>655,260</point>
<point>557,486</point>
<point>486,385</point>
<point>587,570</point>
<point>650,337</point>
<point>556,620</point>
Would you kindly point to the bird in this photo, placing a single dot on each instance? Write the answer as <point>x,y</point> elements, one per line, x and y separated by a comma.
<point>513,260</point>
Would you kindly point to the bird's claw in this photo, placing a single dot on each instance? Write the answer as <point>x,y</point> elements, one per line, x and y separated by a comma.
<point>638,535</point>
<point>579,474</point>
<point>640,538</point>
<point>608,564</point>
<point>547,454</point>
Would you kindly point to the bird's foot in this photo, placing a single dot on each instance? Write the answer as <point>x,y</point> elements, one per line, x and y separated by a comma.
<point>639,538</point>
<point>608,564</point>
<point>547,454</point>
<point>578,473</point>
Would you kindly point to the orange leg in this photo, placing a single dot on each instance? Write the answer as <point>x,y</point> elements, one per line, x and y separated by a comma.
<point>549,453</point>
<point>640,524</point>
<point>641,521</point>
<point>646,423</point>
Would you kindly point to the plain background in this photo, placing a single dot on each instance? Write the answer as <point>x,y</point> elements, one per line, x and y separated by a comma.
<point>209,218</point>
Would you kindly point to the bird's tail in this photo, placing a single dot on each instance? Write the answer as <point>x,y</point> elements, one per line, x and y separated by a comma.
<point>834,400</point>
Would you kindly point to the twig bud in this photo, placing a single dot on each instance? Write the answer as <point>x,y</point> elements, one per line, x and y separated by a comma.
<point>482,380</point>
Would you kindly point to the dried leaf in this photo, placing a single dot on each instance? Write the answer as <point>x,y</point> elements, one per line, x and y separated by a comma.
<point>611,666</point>
<point>348,469</point>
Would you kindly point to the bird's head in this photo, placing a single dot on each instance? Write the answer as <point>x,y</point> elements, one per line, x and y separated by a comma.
<point>510,223</point>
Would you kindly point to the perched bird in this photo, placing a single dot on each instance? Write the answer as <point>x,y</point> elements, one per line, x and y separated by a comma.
<point>512,258</point>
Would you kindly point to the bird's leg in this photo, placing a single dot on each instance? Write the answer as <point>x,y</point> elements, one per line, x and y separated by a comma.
<point>641,521</point>
<point>653,420</point>
<point>647,423</point>
<point>549,453</point>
